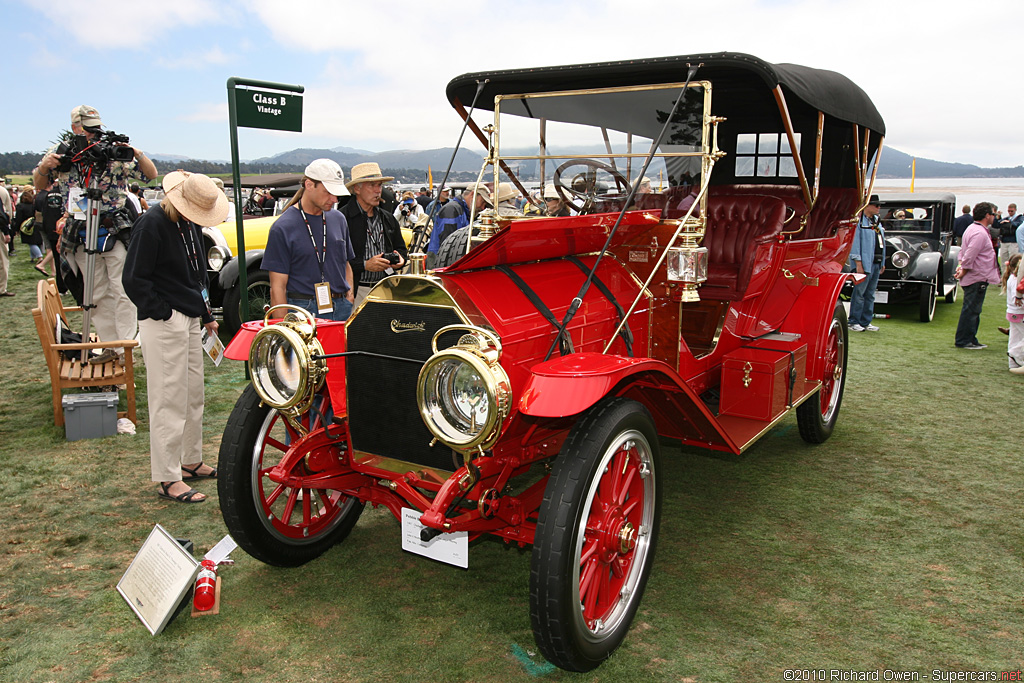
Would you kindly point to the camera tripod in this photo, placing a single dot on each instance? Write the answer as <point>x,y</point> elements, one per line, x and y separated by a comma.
<point>92,232</point>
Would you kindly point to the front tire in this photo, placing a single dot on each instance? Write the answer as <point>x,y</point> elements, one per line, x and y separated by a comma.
<point>951,297</point>
<point>596,534</point>
<point>276,523</point>
<point>816,417</point>
<point>927,300</point>
<point>258,284</point>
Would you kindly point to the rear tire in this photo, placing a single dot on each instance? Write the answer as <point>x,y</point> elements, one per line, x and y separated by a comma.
<point>816,417</point>
<point>596,534</point>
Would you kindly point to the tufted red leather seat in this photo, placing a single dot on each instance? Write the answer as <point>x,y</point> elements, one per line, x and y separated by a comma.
<point>736,226</point>
<point>834,204</point>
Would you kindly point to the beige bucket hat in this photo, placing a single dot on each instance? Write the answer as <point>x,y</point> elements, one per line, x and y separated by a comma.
<point>196,197</point>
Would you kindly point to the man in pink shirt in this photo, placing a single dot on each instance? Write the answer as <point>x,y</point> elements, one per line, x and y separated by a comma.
<point>976,271</point>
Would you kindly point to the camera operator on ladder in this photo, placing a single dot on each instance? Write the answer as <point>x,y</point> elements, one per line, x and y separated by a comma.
<point>114,315</point>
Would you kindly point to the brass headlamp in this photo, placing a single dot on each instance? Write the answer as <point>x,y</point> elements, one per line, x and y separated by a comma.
<point>284,372</point>
<point>463,392</point>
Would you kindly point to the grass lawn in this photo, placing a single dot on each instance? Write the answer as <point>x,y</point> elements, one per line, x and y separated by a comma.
<point>896,545</point>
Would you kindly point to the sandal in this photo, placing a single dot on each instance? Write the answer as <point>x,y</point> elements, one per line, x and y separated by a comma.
<point>45,274</point>
<point>193,473</point>
<point>181,497</point>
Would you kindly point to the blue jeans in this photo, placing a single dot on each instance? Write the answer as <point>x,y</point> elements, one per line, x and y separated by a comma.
<point>970,314</point>
<point>342,308</point>
<point>35,251</point>
<point>862,303</point>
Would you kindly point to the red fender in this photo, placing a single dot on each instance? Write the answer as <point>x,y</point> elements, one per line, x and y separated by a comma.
<point>812,311</point>
<point>570,384</point>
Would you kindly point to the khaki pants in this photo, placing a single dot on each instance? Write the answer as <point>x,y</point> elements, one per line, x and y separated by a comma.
<point>4,265</point>
<point>173,352</point>
<point>1006,250</point>
<point>115,316</point>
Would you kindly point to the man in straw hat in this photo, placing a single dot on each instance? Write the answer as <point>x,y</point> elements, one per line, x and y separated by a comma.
<point>165,275</point>
<point>114,314</point>
<point>309,248</point>
<point>376,237</point>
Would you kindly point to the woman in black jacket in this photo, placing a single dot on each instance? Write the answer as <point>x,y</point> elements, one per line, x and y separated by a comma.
<point>165,276</point>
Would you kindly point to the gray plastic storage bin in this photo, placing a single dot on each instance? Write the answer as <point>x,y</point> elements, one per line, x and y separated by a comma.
<point>90,416</point>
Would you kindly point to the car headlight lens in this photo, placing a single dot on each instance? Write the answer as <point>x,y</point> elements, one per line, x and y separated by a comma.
<point>900,259</point>
<point>464,395</point>
<point>284,372</point>
<point>217,257</point>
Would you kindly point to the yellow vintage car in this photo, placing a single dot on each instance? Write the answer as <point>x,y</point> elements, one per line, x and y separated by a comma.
<point>222,265</point>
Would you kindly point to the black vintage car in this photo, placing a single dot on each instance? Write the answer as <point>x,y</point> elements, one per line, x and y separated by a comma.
<point>920,255</point>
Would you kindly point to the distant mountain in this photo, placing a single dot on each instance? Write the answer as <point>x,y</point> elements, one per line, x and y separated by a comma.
<point>437,159</point>
<point>896,164</point>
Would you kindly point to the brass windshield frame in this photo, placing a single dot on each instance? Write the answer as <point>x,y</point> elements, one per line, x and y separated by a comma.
<point>497,161</point>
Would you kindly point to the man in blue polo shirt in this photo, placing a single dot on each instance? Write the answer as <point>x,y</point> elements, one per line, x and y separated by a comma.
<point>308,248</point>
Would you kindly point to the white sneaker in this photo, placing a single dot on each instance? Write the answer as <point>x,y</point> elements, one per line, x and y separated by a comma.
<point>872,328</point>
<point>856,328</point>
<point>1017,370</point>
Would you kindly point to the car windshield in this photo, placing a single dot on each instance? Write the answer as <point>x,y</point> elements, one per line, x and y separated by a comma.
<point>908,218</point>
<point>591,145</point>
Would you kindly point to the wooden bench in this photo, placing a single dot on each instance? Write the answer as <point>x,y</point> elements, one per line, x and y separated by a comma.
<point>73,374</point>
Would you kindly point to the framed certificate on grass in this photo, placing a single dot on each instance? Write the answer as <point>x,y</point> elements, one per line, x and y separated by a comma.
<point>157,579</point>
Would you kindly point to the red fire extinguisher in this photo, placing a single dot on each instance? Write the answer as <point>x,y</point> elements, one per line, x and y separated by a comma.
<point>206,587</point>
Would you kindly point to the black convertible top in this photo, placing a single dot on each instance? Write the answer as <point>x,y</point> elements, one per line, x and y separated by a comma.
<point>827,91</point>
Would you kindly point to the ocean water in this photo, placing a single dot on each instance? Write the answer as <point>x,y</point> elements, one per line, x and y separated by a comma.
<point>999,191</point>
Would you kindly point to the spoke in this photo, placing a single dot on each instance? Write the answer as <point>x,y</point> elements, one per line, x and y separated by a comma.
<point>626,485</point>
<point>588,552</point>
<point>289,507</point>
<point>587,579</point>
<point>591,591</point>
<point>307,518</point>
<point>326,500</point>
<point>271,441</point>
<point>619,567</point>
<point>604,586</point>
<point>278,490</point>
<point>627,511</point>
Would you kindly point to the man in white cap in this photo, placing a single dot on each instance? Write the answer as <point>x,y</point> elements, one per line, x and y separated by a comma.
<point>309,247</point>
<point>114,315</point>
<point>376,237</point>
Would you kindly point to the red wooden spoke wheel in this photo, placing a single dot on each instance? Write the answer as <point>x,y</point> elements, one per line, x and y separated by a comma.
<point>596,535</point>
<point>817,416</point>
<point>273,512</point>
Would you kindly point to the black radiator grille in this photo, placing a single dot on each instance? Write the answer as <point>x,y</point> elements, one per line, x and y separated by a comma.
<point>384,417</point>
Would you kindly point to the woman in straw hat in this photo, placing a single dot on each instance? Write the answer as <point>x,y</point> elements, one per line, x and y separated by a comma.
<point>165,276</point>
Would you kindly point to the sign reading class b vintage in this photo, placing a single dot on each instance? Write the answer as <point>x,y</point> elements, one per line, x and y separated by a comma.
<point>269,110</point>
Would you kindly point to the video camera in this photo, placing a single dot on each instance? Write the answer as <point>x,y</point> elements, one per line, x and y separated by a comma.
<point>106,148</point>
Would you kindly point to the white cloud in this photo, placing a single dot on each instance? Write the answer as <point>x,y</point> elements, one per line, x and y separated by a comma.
<point>108,24</point>
<point>194,61</point>
<point>206,112</point>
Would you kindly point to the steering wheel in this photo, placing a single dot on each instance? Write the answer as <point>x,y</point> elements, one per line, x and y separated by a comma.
<point>581,191</point>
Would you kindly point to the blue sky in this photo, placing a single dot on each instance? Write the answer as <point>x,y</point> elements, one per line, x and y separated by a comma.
<point>375,73</point>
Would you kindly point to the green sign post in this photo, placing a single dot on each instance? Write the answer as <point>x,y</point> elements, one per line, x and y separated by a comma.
<point>257,104</point>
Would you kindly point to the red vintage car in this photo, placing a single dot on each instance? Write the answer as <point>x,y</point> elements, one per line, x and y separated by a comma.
<point>531,380</point>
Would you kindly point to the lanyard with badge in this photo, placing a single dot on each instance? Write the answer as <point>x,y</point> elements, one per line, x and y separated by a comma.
<point>192,253</point>
<point>321,290</point>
